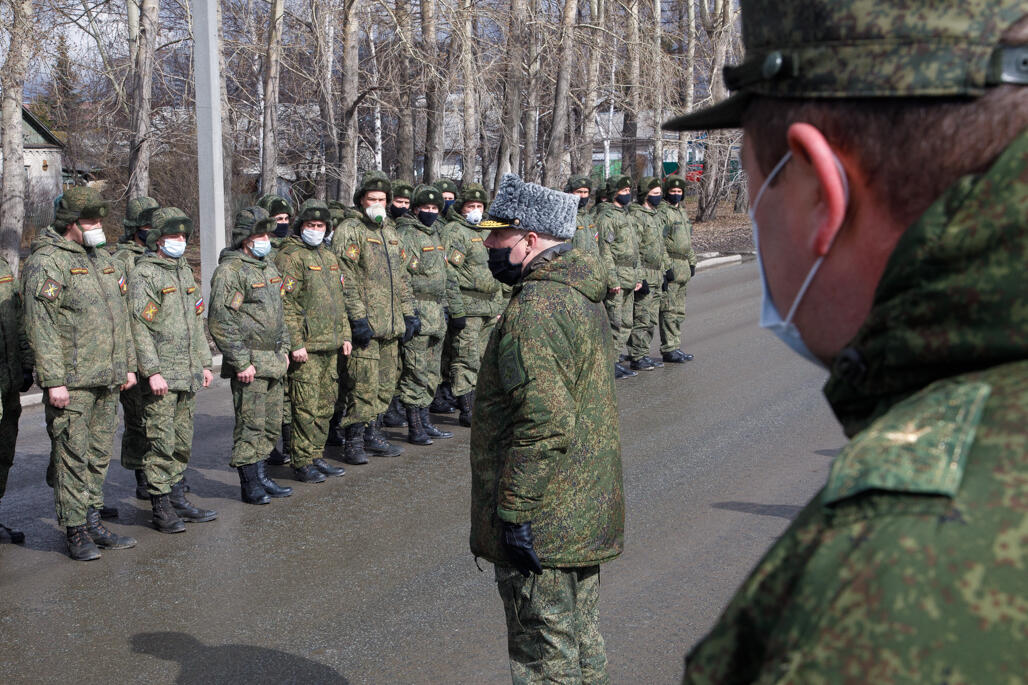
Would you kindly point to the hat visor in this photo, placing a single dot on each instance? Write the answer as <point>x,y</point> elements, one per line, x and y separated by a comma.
<point>491,223</point>
<point>725,114</point>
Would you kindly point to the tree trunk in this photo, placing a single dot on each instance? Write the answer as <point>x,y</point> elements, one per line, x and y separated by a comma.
<point>405,109</point>
<point>142,87</point>
<point>529,159</point>
<point>376,105</point>
<point>689,67</point>
<point>228,138</point>
<point>507,157</point>
<point>584,158</point>
<point>658,93</point>
<point>324,44</point>
<point>12,81</point>
<point>553,171</point>
<point>713,183</point>
<point>349,134</point>
<point>469,155</point>
<point>272,66</point>
<point>630,130</point>
<point>434,94</point>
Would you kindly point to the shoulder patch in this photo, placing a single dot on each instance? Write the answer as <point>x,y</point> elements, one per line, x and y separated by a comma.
<point>108,269</point>
<point>198,306</point>
<point>413,264</point>
<point>353,251</point>
<point>50,290</point>
<point>170,289</point>
<point>314,267</point>
<point>149,312</point>
<point>236,302</point>
<point>123,284</point>
<point>456,257</point>
<point>288,284</point>
<point>919,446</point>
<point>6,279</point>
<point>80,271</point>
<point>512,367</point>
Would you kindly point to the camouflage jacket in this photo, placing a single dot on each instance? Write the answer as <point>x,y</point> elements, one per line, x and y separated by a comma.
<point>377,286</point>
<point>17,354</point>
<point>586,237</point>
<point>653,261</point>
<point>75,315</point>
<point>245,317</point>
<point>545,442</point>
<point>619,245</point>
<point>166,309</point>
<point>469,263</point>
<point>312,296</point>
<point>910,565</point>
<point>432,281</point>
<point>128,253</point>
<point>677,230</point>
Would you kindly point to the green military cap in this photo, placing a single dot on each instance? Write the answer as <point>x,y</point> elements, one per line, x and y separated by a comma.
<point>251,221</point>
<point>275,204</point>
<point>338,211</point>
<point>576,182</point>
<point>472,192</point>
<point>427,195</point>
<point>446,185</point>
<point>830,49</point>
<point>374,180</point>
<point>167,221</point>
<point>616,183</point>
<point>674,181</point>
<point>645,185</point>
<point>80,202</point>
<point>139,212</point>
<point>402,189</point>
<point>312,210</point>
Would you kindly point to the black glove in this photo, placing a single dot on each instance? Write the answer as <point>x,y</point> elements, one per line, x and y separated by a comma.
<point>26,379</point>
<point>692,270</point>
<point>517,543</point>
<point>458,323</point>
<point>669,276</point>
<point>643,291</point>
<point>411,327</point>
<point>361,332</point>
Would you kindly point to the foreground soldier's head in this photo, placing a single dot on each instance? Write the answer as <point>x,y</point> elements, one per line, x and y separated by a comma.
<point>79,214</point>
<point>171,228</point>
<point>252,230</point>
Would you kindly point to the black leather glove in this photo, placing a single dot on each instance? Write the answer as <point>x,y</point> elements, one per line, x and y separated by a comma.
<point>517,543</point>
<point>411,327</point>
<point>643,291</point>
<point>692,270</point>
<point>361,332</point>
<point>669,276</point>
<point>458,323</point>
<point>26,379</point>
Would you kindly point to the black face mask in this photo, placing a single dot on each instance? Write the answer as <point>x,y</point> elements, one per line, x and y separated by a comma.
<point>673,198</point>
<point>427,218</point>
<point>282,230</point>
<point>141,235</point>
<point>582,202</point>
<point>397,212</point>
<point>447,204</point>
<point>654,200</point>
<point>500,266</point>
<point>624,199</point>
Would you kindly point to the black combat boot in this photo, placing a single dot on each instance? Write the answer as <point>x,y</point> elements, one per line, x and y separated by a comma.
<point>336,436</point>
<point>102,536</point>
<point>270,486</point>
<point>642,364</point>
<point>622,371</point>
<point>164,517</point>
<point>464,403</point>
<point>308,474</point>
<point>375,442</point>
<point>658,364</point>
<point>416,434</point>
<point>328,469</point>
<point>80,545</point>
<point>141,485</point>
<point>393,418</point>
<point>108,513</point>
<point>432,431</point>
<point>354,453</point>
<point>11,535</point>
<point>676,357</point>
<point>440,404</point>
<point>251,490</point>
<point>185,509</point>
<point>284,456</point>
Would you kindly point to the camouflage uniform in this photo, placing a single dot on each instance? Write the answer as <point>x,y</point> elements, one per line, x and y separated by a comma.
<point>316,317</point>
<point>545,448</point>
<point>166,309</point>
<point>619,255</point>
<point>16,365</point>
<point>78,327</point>
<point>682,260</point>
<point>273,205</point>
<point>586,237</point>
<point>653,262</point>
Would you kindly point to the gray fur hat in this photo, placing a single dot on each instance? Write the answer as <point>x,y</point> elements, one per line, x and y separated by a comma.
<point>531,207</point>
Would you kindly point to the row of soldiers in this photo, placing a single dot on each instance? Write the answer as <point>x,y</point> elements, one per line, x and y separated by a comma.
<point>332,321</point>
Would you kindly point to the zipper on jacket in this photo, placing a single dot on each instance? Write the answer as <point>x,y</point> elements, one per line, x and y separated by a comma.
<point>392,293</point>
<point>110,314</point>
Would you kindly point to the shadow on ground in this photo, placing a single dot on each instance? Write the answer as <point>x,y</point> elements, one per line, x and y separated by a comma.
<point>785,511</point>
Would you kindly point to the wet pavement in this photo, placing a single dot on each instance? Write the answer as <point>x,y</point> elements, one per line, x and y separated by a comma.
<point>368,578</point>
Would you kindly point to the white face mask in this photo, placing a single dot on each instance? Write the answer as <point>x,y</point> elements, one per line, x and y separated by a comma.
<point>474,217</point>
<point>94,237</point>
<point>174,248</point>
<point>376,213</point>
<point>312,237</point>
<point>261,247</point>
<point>770,319</point>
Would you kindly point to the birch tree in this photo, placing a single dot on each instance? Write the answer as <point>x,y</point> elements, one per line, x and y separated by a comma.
<point>144,46</point>
<point>272,64</point>
<point>12,80</point>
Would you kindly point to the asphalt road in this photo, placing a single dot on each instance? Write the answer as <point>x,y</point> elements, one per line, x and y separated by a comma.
<point>368,578</point>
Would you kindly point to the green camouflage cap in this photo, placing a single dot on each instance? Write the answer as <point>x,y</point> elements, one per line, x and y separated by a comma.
<point>616,183</point>
<point>472,192</point>
<point>446,185</point>
<point>251,221</point>
<point>576,182</point>
<point>674,181</point>
<point>374,180</point>
<point>402,189</point>
<point>338,211</point>
<point>275,204</point>
<point>427,195</point>
<point>80,202</point>
<point>139,212</point>
<point>830,49</point>
<point>166,221</point>
<point>312,210</point>
<point>645,185</point>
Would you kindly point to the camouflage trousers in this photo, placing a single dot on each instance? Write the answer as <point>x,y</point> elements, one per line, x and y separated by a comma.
<point>11,404</point>
<point>469,346</point>
<point>372,377</point>
<point>133,440</point>
<point>553,633</point>
<point>422,359</point>
<point>81,441</point>
<point>672,314</point>
<point>644,320</point>
<point>313,389</point>
<point>620,312</point>
<point>258,409</point>
<point>169,432</point>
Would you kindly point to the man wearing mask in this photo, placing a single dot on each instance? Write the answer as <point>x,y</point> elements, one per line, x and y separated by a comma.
<point>653,266</point>
<point>682,267</point>
<point>547,502</point>
<point>433,286</point>
<point>166,311</point>
<point>247,323</point>
<point>380,306</point>
<point>619,254</point>
<point>449,190</point>
<point>887,151</point>
<point>586,236</point>
<point>400,204</point>
<point>78,329</point>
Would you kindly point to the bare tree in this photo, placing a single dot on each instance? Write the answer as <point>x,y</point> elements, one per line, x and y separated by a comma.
<point>507,158</point>
<point>470,85</point>
<point>324,37</point>
<point>630,129</point>
<point>12,80</point>
<point>553,169</point>
<point>350,100</point>
<point>689,86</point>
<point>435,96</point>
<point>144,47</point>
<point>269,158</point>
<point>719,24</point>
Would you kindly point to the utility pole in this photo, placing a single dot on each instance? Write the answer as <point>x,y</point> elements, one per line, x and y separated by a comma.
<point>211,222</point>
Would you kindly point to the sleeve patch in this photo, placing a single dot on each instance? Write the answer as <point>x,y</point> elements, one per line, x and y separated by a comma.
<point>258,285</point>
<point>149,312</point>
<point>430,248</point>
<point>108,270</point>
<point>80,271</point>
<point>456,258</point>
<point>170,289</point>
<point>353,251</point>
<point>50,290</point>
<point>198,306</point>
<point>276,279</point>
<point>512,366</point>
<point>288,284</point>
<point>123,285</point>
<point>191,289</point>
<point>476,240</point>
<point>414,264</point>
<point>314,267</point>
<point>374,240</point>
<point>6,279</point>
<point>236,302</point>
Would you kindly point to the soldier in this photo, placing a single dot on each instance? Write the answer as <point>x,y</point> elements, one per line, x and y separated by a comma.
<point>138,214</point>
<point>15,377</point>
<point>682,266</point>
<point>586,237</point>
<point>619,255</point>
<point>448,187</point>
<point>381,310</point>
<point>166,310</point>
<point>248,326</point>
<point>481,295</point>
<point>400,205</point>
<point>78,328</point>
<point>433,285</point>
<point>887,146</point>
<point>653,265</point>
<point>547,496</point>
<point>315,316</point>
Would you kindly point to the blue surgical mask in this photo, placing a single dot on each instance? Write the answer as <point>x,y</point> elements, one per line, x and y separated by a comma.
<point>770,318</point>
<point>174,248</point>
<point>260,248</point>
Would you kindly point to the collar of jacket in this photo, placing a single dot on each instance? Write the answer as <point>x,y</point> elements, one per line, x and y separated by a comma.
<point>545,257</point>
<point>951,299</point>
<point>413,221</point>
<point>50,236</point>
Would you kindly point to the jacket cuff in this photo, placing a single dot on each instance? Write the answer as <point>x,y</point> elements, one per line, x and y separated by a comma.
<point>513,516</point>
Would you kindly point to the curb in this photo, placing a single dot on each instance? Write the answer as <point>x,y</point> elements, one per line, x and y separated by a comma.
<point>718,261</point>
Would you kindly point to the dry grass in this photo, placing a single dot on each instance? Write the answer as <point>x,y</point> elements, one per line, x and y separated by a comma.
<point>729,232</point>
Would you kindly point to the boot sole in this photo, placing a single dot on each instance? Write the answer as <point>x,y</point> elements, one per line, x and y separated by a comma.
<point>173,529</point>
<point>84,558</point>
<point>278,495</point>
<point>441,437</point>
<point>123,545</point>
<point>196,519</point>
<point>422,443</point>
<point>263,500</point>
